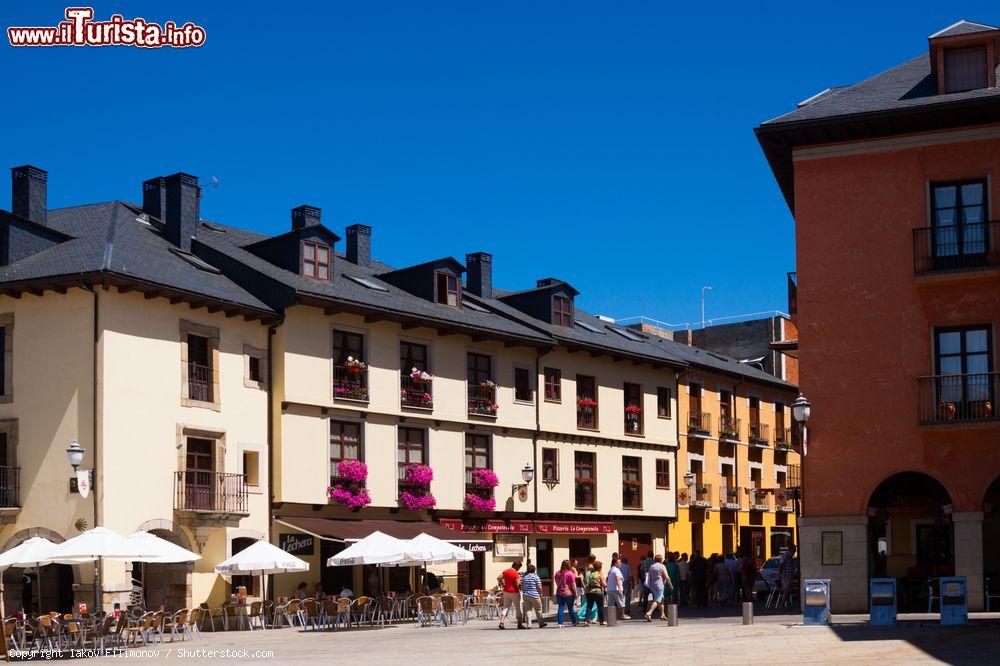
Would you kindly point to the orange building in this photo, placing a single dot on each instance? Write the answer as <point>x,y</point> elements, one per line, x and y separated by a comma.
<point>892,182</point>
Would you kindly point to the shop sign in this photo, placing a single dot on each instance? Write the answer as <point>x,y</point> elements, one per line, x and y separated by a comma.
<point>297,544</point>
<point>487,526</point>
<point>472,547</point>
<point>508,546</point>
<point>572,527</point>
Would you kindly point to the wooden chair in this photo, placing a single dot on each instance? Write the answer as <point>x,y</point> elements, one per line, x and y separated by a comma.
<point>47,632</point>
<point>177,624</point>
<point>103,630</point>
<point>194,622</point>
<point>450,609</point>
<point>140,630</point>
<point>255,615</point>
<point>231,611</point>
<point>343,612</point>
<point>211,614</point>
<point>385,609</point>
<point>427,613</point>
<point>10,631</point>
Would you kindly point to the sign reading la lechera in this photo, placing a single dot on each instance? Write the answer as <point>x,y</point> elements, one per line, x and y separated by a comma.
<point>297,544</point>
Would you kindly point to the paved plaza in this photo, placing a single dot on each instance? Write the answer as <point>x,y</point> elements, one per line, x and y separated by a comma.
<point>773,639</point>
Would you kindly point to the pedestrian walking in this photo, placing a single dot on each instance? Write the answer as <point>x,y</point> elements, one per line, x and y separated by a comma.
<point>564,584</point>
<point>657,581</point>
<point>510,582</point>
<point>674,573</point>
<point>595,593</point>
<point>748,575</point>
<point>531,596</point>
<point>684,574</point>
<point>628,579</point>
<point>645,591</point>
<point>724,581</point>
<point>616,590</point>
<point>699,579</point>
<point>786,571</point>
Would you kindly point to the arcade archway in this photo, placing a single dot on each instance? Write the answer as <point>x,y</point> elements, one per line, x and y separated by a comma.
<point>991,537</point>
<point>165,585</point>
<point>910,535</point>
<point>55,581</point>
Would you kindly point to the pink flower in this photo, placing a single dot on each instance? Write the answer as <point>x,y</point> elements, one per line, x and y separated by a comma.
<point>477,503</point>
<point>485,478</point>
<point>353,500</point>
<point>419,475</point>
<point>417,502</point>
<point>353,470</point>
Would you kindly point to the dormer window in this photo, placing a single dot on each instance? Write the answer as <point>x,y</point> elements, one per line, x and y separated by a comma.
<point>562,311</point>
<point>966,68</point>
<point>447,292</point>
<point>315,260</point>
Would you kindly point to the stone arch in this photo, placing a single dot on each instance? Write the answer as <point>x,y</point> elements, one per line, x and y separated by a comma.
<point>241,533</point>
<point>902,471</point>
<point>911,536</point>
<point>166,584</point>
<point>12,577</point>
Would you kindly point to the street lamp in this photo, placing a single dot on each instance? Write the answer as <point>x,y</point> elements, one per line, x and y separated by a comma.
<point>74,454</point>
<point>801,410</point>
<point>689,479</point>
<point>527,473</point>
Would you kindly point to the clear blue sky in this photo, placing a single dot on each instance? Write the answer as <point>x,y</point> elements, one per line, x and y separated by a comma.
<point>609,144</point>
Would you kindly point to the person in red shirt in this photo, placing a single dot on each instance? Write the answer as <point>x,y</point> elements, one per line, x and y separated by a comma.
<point>510,584</point>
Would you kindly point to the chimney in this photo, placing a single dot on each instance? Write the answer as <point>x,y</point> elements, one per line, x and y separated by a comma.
<point>28,193</point>
<point>154,197</point>
<point>359,244</point>
<point>546,282</point>
<point>305,216</point>
<point>479,274</point>
<point>182,209</point>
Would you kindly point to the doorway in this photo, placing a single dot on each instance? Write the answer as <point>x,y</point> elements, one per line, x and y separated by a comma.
<point>543,548</point>
<point>21,589</point>
<point>198,487</point>
<point>697,539</point>
<point>472,574</point>
<point>752,541</point>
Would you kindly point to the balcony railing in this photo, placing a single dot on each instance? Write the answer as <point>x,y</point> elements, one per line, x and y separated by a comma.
<point>730,496</point>
<point>632,494</point>
<point>199,382</point>
<point>760,499</point>
<point>586,414</point>
<point>10,487</point>
<point>699,423</point>
<point>701,495</point>
<point>350,383</point>
<point>585,491</point>
<point>482,400</point>
<point>955,248</point>
<point>210,492</point>
<point>952,399</point>
<point>783,439</point>
<point>782,502</point>
<point>760,434</point>
<point>415,393</point>
<point>633,420</point>
<point>729,428</point>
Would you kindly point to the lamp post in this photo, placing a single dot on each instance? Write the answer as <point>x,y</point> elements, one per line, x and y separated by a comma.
<point>704,289</point>
<point>74,456</point>
<point>801,411</point>
<point>527,474</point>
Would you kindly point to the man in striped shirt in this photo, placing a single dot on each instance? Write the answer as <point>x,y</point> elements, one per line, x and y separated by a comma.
<point>531,593</point>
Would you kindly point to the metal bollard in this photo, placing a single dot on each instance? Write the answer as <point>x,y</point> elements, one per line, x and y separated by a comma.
<point>747,612</point>
<point>611,615</point>
<point>671,615</point>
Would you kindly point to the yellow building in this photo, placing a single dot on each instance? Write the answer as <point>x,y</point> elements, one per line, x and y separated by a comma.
<point>737,464</point>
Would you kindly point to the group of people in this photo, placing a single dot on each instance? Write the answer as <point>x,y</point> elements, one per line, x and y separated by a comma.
<point>581,586</point>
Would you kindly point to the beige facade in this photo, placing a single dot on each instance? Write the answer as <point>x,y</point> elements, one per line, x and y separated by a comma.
<point>144,422</point>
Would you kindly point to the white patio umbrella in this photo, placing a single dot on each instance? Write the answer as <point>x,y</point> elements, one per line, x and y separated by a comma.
<point>163,551</point>
<point>439,550</point>
<point>100,543</point>
<point>261,559</point>
<point>376,548</point>
<point>34,553</point>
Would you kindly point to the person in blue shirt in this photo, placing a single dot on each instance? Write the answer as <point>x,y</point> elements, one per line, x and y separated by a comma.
<point>531,595</point>
<point>627,579</point>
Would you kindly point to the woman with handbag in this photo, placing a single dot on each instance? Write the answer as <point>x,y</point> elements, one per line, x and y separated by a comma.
<point>596,586</point>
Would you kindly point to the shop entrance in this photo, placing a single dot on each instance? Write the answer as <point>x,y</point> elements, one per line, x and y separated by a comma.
<point>543,547</point>
<point>634,548</point>
<point>752,541</point>
<point>471,574</point>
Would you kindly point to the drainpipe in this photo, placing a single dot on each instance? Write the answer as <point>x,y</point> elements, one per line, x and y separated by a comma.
<point>271,330</point>
<point>535,435</point>
<point>94,485</point>
<point>676,480</point>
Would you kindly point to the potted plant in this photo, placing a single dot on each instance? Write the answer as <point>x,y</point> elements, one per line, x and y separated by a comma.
<point>349,489</point>
<point>421,376</point>
<point>415,488</point>
<point>487,384</point>
<point>355,366</point>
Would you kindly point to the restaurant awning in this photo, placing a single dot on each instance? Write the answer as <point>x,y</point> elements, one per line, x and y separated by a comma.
<point>349,531</point>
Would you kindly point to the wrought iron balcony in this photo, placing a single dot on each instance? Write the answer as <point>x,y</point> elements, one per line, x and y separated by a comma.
<point>954,399</point>
<point>10,487</point>
<point>783,439</point>
<point>956,248</point>
<point>633,420</point>
<point>701,495</point>
<point>199,382</point>
<point>760,499</point>
<point>760,434</point>
<point>415,393</point>
<point>729,428</point>
<point>483,400</point>
<point>202,491</point>
<point>730,496</point>
<point>586,414</point>
<point>699,423</point>
<point>782,502</point>
<point>350,383</point>
<point>632,494</point>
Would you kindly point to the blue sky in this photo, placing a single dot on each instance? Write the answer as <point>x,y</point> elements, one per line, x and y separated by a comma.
<point>609,144</point>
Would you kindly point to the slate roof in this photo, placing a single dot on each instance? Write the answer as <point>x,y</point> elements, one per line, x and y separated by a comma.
<point>962,27</point>
<point>107,238</point>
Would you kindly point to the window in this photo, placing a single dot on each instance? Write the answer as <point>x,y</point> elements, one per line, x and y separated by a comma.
<point>4,362</point>
<point>447,289</point>
<point>315,260</point>
<point>411,449</point>
<point>958,216</point>
<point>480,368</point>
<point>585,476</point>
<point>522,385</point>
<point>964,362</point>
<point>477,454</point>
<point>664,398</point>
<point>550,465</point>
<point>663,473</point>
<point>251,468</point>
<point>254,367</point>
<point>965,69</point>
<point>633,409</point>
<point>345,444</point>
<point>780,435</point>
<point>350,373</point>
<point>586,402</point>
<point>254,370</point>
<point>199,370</point>
<point>562,311</point>
<point>347,344</point>
<point>482,393</point>
<point>697,420</point>
<point>415,390</point>
<point>631,482</point>
<point>553,384</point>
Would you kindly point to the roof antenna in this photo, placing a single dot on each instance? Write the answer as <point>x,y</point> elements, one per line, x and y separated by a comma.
<point>703,290</point>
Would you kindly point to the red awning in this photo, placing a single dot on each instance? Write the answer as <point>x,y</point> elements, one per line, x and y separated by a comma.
<point>355,530</point>
<point>496,526</point>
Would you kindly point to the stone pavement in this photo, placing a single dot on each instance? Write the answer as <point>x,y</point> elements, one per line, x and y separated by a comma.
<point>773,639</point>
